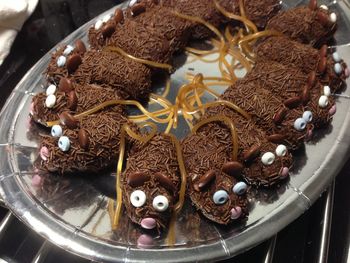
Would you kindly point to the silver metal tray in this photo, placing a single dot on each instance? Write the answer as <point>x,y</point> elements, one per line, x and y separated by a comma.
<point>71,212</point>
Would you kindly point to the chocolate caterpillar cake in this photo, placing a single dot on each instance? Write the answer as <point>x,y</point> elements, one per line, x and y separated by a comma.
<point>295,89</point>
<point>306,24</point>
<point>88,144</point>
<point>151,182</point>
<point>72,98</point>
<point>331,69</point>
<point>270,114</point>
<point>215,183</point>
<point>129,78</point>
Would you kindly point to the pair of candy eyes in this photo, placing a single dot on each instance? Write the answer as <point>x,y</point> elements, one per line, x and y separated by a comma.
<point>268,158</point>
<point>50,100</point>
<point>220,197</point>
<point>61,60</point>
<point>63,141</point>
<point>138,199</point>
<point>300,123</point>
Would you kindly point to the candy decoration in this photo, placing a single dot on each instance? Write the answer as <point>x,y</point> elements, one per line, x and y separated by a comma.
<point>64,143</point>
<point>51,89</point>
<point>160,203</point>
<point>106,18</point>
<point>236,212</point>
<point>323,101</point>
<point>338,68</point>
<point>148,223</point>
<point>307,116</point>
<point>56,131</point>
<point>268,158</point>
<point>300,124</point>
<point>327,91</point>
<point>220,197</point>
<point>240,188</point>
<point>324,7</point>
<point>333,17</point>
<point>61,61</point>
<point>50,101</point>
<point>138,198</point>
<point>281,150</point>
<point>98,24</point>
<point>69,49</point>
<point>336,57</point>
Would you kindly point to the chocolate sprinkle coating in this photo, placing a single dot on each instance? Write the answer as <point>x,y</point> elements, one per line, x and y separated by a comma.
<point>288,82</point>
<point>301,56</point>
<point>303,25</point>
<point>157,156</point>
<point>88,96</point>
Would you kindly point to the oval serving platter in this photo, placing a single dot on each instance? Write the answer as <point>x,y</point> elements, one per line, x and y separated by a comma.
<point>72,213</point>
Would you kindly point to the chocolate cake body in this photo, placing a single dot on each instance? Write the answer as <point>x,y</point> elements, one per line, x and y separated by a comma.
<point>93,144</point>
<point>269,113</point>
<point>304,57</point>
<point>107,69</point>
<point>290,83</point>
<point>314,27</point>
<point>81,98</point>
<point>153,169</point>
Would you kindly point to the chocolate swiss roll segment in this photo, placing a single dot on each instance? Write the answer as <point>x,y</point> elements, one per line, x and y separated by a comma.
<point>330,69</point>
<point>306,24</point>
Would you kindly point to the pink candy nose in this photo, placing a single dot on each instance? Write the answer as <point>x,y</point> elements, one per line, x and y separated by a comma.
<point>148,223</point>
<point>144,241</point>
<point>332,110</point>
<point>44,153</point>
<point>308,135</point>
<point>36,180</point>
<point>284,172</point>
<point>236,212</point>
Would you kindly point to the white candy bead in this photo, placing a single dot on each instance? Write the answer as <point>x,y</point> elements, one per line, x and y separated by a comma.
<point>324,7</point>
<point>281,150</point>
<point>138,198</point>
<point>300,124</point>
<point>333,17</point>
<point>50,101</point>
<point>327,91</point>
<point>336,57</point>
<point>323,101</point>
<point>268,158</point>
<point>307,116</point>
<point>56,131</point>
<point>98,24</point>
<point>61,61</point>
<point>68,50</point>
<point>240,188</point>
<point>106,18</point>
<point>64,143</point>
<point>220,197</point>
<point>132,2</point>
<point>338,68</point>
<point>160,203</point>
<point>51,90</point>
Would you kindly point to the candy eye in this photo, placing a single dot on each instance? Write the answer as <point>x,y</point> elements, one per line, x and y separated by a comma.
<point>98,24</point>
<point>268,158</point>
<point>323,101</point>
<point>333,17</point>
<point>240,188</point>
<point>61,61</point>
<point>327,91</point>
<point>56,131</point>
<point>307,116</point>
<point>64,143</point>
<point>300,124</point>
<point>324,7</point>
<point>50,101</point>
<point>281,150</point>
<point>106,18</point>
<point>336,57</point>
<point>51,90</point>
<point>220,197</point>
<point>68,50</point>
<point>138,198</point>
<point>160,203</point>
<point>338,68</point>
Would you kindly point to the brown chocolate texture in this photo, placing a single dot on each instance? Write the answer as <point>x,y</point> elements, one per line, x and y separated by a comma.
<point>288,82</point>
<point>103,131</point>
<point>304,25</point>
<point>108,69</point>
<point>263,106</point>
<point>157,156</point>
<point>87,97</point>
<point>301,56</point>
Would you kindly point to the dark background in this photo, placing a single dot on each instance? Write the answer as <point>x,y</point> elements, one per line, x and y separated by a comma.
<point>50,23</point>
